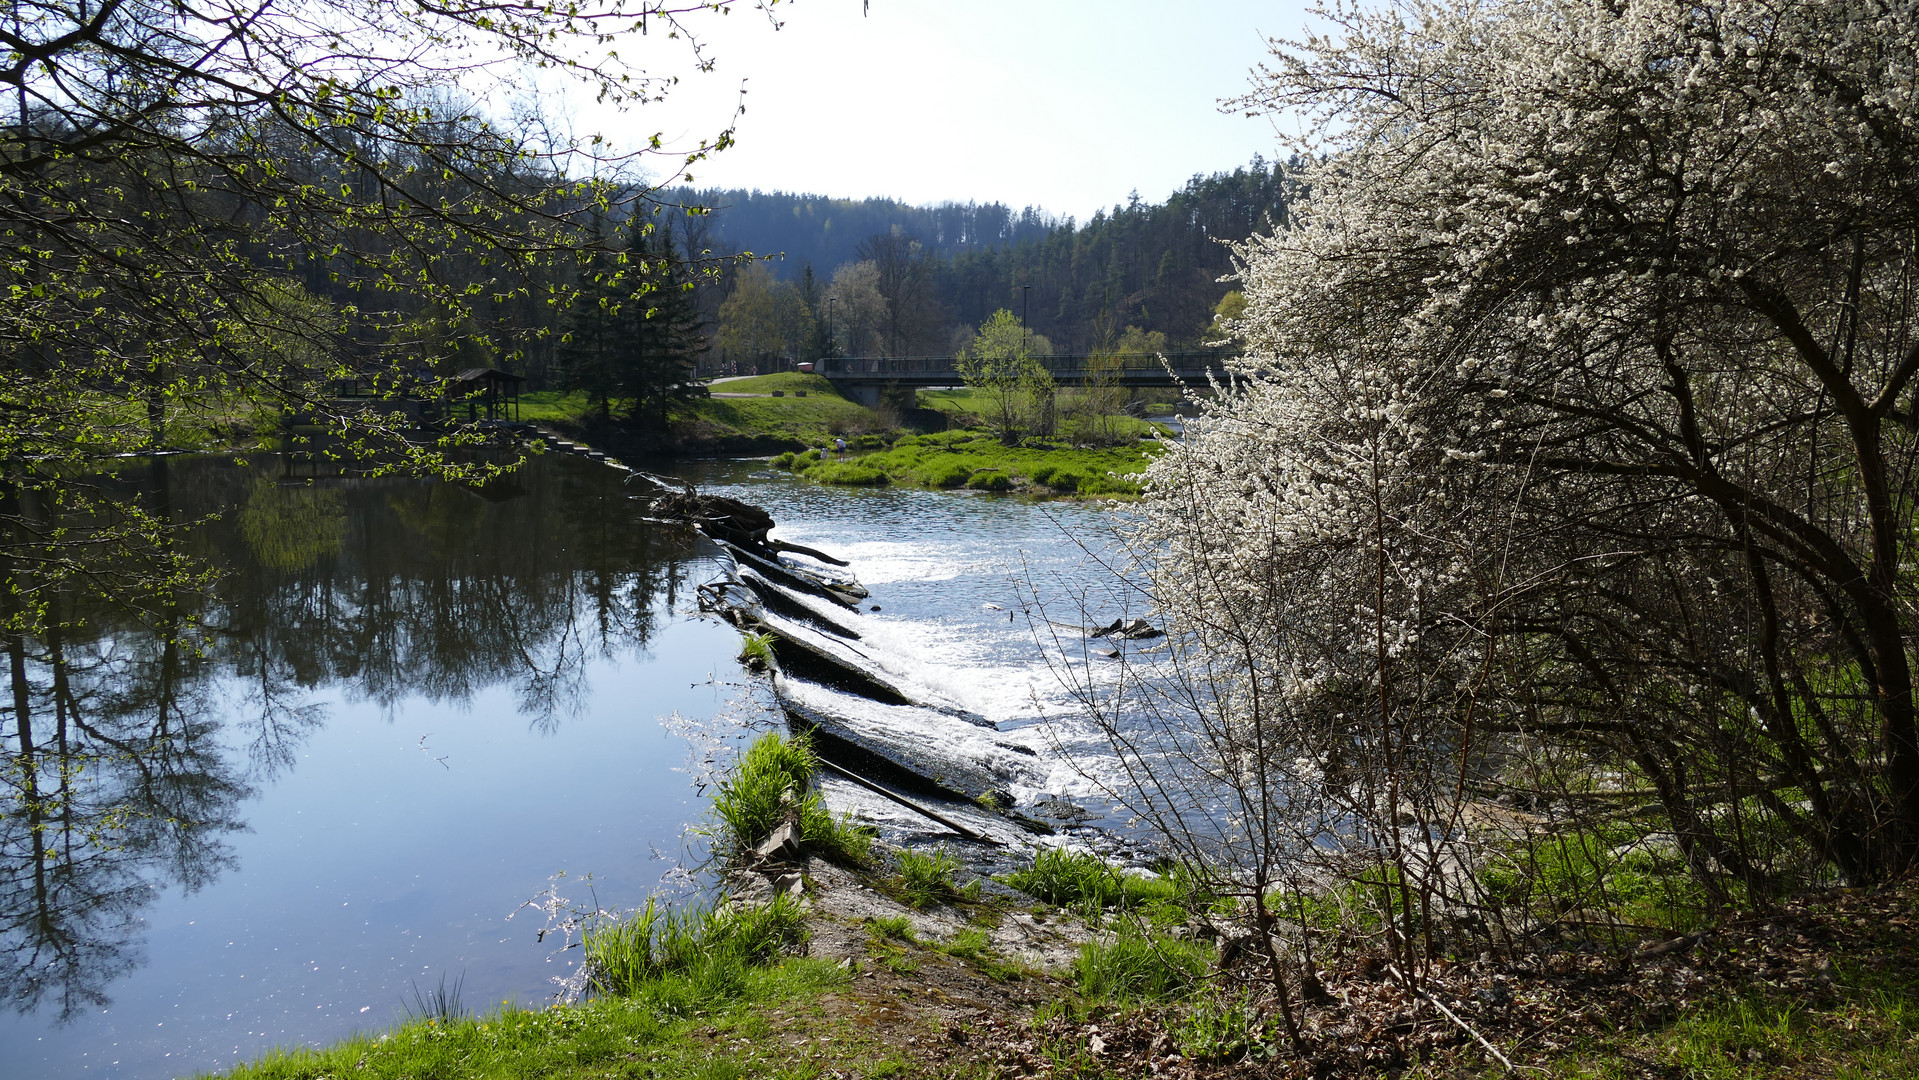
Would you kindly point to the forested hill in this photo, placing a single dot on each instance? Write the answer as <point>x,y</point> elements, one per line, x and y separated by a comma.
<point>825,232</point>
<point>945,269</point>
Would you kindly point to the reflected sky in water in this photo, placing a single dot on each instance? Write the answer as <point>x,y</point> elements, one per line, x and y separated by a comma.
<point>261,818</point>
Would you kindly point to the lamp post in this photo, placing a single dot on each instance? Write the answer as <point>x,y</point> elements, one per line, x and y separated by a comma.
<point>1024,292</point>
<point>832,342</point>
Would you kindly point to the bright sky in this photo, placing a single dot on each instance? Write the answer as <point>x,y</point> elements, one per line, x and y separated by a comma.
<point>1064,104</point>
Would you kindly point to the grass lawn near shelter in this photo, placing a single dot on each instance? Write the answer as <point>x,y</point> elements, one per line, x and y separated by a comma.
<point>786,382</point>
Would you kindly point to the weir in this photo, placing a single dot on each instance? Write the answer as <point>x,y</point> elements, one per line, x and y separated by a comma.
<point>870,717</point>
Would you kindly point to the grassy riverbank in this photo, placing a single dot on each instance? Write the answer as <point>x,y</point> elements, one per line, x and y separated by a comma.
<point>976,460</point>
<point>808,412</point>
<point>1068,968</point>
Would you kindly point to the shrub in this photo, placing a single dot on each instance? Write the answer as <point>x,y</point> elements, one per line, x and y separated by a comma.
<point>1043,474</point>
<point>947,474</point>
<point>990,480</point>
<point>784,461</point>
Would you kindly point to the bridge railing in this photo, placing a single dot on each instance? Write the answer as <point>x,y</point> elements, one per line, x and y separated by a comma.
<point>1068,365</point>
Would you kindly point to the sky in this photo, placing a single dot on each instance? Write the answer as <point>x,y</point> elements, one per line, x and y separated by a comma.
<point>1068,105</point>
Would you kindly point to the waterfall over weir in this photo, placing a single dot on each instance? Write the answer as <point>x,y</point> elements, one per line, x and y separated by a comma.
<point>894,746</point>
<point>906,755</point>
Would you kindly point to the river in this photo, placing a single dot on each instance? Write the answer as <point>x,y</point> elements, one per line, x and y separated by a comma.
<point>409,708</point>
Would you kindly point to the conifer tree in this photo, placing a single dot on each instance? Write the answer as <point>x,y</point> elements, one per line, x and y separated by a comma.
<point>590,356</point>
<point>664,334</point>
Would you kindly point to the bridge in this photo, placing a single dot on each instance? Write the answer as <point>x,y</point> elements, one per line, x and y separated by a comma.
<point>865,378</point>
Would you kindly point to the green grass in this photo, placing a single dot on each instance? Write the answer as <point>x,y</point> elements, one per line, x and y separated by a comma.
<point>1135,966</point>
<point>926,878</point>
<point>897,927</point>
<point>813,420</point>
<point>976,460</point>
<point>666,1030</point>
<point>772,780</point>
<point>1870,1033</point>
<point>974,947</point>
<point>756,651</point>
<point>643,947</point>
<point>810,421</point>
<point>784,381</point>
<point>963,405</point>
<point>1083,880</point>
<point>1226,1027</point>
<point>849,474</point>
<point>568,405</point>
<point>1611,867</point>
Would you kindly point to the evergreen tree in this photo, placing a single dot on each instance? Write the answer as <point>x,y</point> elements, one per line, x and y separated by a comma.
<point>664,334</point>
<point>817,344</point>
<point>590,351</point>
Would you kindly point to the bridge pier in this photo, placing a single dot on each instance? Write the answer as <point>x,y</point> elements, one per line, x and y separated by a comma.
<point>863,393</point>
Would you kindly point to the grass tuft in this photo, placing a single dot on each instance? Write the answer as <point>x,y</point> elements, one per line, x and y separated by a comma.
<point>1082,879</point>
<point>442,1003</point>
<point>927,878</point>
<point>772,783</point>
<point>756,651</point>
<point>706,945</point>
<point>1134,967</point>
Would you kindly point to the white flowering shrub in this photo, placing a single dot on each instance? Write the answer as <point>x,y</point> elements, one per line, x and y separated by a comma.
<point>1575,437</point>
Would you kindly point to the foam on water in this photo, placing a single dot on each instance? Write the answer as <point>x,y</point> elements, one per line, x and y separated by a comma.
<point>883,562</point>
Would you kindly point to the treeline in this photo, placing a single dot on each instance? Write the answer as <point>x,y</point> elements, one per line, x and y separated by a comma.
<point>824,232</point>
<point>875,277</point>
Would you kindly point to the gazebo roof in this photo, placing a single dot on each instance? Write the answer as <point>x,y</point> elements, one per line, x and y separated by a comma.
<point>483,374</point>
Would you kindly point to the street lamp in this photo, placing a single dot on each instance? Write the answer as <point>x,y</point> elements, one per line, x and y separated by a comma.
<point>832,342</point>
<point>1024,292</point>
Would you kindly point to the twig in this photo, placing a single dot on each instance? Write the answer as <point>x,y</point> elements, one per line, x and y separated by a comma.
<point>1454,1017</point>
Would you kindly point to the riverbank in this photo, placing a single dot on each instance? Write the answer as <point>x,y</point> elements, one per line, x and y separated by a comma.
<point>976,460</point>
<point>1824,986</point>
<point>794,413</point>
<point>753,416</point>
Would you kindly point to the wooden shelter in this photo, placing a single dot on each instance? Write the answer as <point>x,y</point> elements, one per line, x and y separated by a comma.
<point>498,392</point>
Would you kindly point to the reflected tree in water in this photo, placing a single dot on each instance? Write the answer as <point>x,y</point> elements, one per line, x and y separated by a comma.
<point>139,722</point>
<point>115,780</point>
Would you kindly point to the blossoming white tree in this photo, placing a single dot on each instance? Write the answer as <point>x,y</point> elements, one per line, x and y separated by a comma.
<point>1576,430</point>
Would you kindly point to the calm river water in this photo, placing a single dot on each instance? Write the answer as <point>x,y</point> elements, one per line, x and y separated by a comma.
<point>413,706</point>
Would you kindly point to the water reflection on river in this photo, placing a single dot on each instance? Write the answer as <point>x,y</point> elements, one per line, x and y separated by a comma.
<point>408,706</point>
